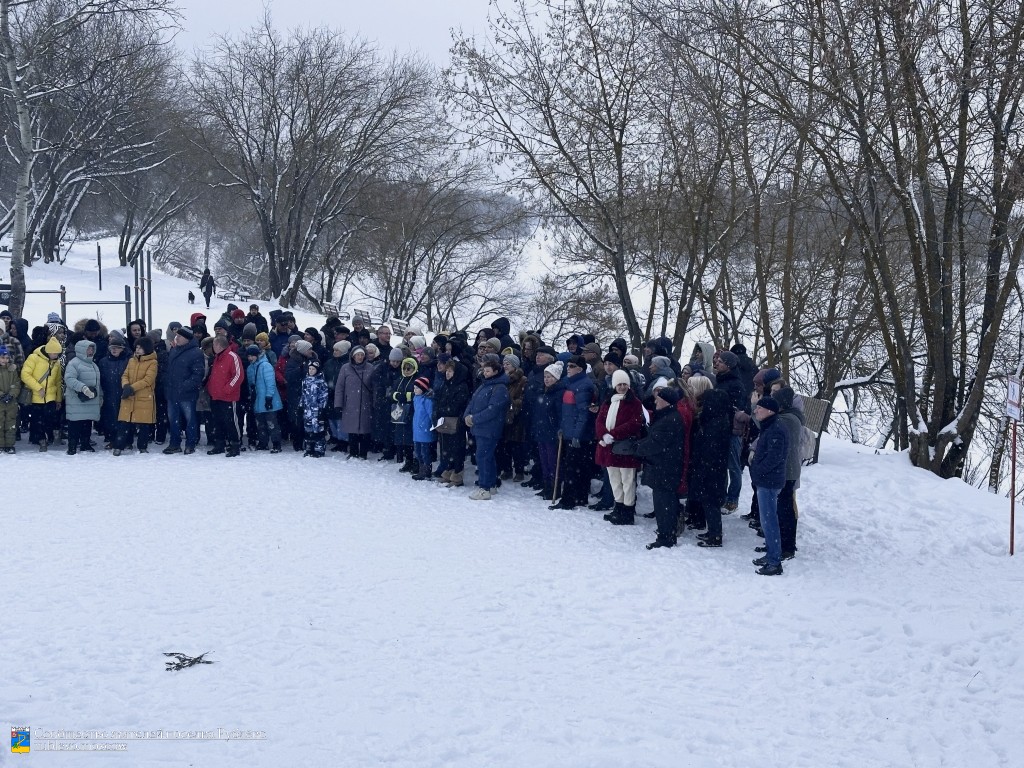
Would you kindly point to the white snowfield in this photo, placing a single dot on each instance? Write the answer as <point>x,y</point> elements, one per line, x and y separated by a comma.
<point>358,618</point>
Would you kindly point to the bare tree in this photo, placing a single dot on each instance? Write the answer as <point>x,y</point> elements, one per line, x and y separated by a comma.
<point>298,126</point>
<point>34,34</point>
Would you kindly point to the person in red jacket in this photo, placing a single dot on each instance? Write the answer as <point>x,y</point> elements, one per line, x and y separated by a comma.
<point>225,388</point>
<point>620,418</point>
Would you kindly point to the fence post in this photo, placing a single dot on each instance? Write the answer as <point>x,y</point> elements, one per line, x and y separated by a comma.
<point>64,305</point>
<point>149,271</point>
<point>99,264</point>
<point>127,307</point>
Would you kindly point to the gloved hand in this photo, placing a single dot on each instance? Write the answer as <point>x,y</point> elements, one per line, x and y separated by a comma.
<point>127,390</point>
<point>575,442</point>
<point>469,421</point>
<point>607,439</point>
<point>268,403</point>
<point>88,393</point>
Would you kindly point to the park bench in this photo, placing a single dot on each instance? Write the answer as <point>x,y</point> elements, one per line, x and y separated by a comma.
<point>816,417</point>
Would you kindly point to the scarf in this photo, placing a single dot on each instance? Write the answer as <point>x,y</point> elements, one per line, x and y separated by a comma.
<point>613,411</point>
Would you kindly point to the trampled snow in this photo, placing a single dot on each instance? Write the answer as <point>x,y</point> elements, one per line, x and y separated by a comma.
<point>359,618</point>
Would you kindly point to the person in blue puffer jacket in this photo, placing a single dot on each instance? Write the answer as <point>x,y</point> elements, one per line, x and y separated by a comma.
<point>577,432</point>
<point>485,417</point>
<point>266,399</point>
<point>423,435</point>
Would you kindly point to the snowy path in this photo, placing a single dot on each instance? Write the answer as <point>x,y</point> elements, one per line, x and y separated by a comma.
<point>362,619</point>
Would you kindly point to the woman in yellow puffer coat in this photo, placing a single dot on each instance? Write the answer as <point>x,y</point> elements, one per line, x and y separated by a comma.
<point>43,377</point>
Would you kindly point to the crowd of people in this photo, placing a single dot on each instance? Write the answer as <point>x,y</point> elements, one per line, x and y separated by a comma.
<point>520,410</point>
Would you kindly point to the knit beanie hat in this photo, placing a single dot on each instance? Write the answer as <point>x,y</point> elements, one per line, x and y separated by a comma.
<point>772,374</point>
<point>53,317</point>
<point>729,359</point>
<point>3,350</point>
<point>53,347</point>
<point>116,339</point>
<point>613,357</point>
<point>185,333</point>
<point>92,324</point>
<point>262,338</point>
<point>314,362</point>
<point>237,314</point>
<point>343,346</point>
<point>512,359</point>
<point>669,394</point>
<point>302,346</point>
<point>252,351</point>
<point>631,360</point>
<point>423,383</point>
<point>620,377</point>
<point>249,331</point>
<point>417,342</point>
<point>371,349</point>
<point>555,369</point>
<point>395,355</point>
<point>294,337</point>
<point>769,403</point>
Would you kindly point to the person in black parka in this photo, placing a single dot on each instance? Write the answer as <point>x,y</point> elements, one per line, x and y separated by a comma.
<point>709,460</point>
<point>662,454</point>
<point>451,399</point>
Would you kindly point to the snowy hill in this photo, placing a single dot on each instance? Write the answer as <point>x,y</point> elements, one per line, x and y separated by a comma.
<point>358,618</point>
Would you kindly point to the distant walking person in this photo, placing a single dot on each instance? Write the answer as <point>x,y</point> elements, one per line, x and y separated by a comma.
<point>207,286</point>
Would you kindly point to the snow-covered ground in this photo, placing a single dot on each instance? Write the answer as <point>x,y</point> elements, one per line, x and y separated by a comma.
<point>358,618</point>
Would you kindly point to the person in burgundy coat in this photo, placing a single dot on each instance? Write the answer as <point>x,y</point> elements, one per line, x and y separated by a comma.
<point>620,418</point>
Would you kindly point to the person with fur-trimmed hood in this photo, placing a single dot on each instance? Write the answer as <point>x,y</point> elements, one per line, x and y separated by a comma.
<point>91,330</point>
<point>314,400</point>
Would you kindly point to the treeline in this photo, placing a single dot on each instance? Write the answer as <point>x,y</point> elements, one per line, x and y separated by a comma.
<point>834,184</point>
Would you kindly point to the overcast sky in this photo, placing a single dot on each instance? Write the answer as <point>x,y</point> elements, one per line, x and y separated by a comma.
<point>403,25</point>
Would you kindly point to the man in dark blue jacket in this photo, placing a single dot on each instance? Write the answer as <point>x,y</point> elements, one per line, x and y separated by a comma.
<point>186,369</point>
<point>577,430</point>
<point>768,474</point>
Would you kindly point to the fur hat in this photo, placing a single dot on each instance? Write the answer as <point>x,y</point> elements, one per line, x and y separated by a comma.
<point>91,325</point>
<point>145,343</point>
<point>423,383</point>
<point>620,377</point>
<point>343,346</point>
<point>185,333</point>
<point>555,369</point>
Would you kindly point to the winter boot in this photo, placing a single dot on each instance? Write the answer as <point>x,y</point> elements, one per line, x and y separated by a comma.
<point>42,446</point>
<point>215,451</point>
<point>446,476</point>
<point>614,513</point>
<point>710,542</point>
<point>663,540</point>
<point>626,516</point>
<point>519,478</point>
<point>232,450</point>
<point>409,466</point>
<point>455,480</point>
<point>276,448</point>
<point>423,472</point>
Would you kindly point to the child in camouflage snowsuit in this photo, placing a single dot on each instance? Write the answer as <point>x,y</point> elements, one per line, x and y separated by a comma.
<point>314,401</point>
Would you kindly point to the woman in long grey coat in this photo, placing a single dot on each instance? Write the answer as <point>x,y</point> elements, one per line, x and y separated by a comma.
<point>353,396</point>
<point>83,396</point>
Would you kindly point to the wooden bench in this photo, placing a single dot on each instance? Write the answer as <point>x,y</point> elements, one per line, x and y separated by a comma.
<point>398,327</point>
<point>816,417</point>
<point>331,310</point>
